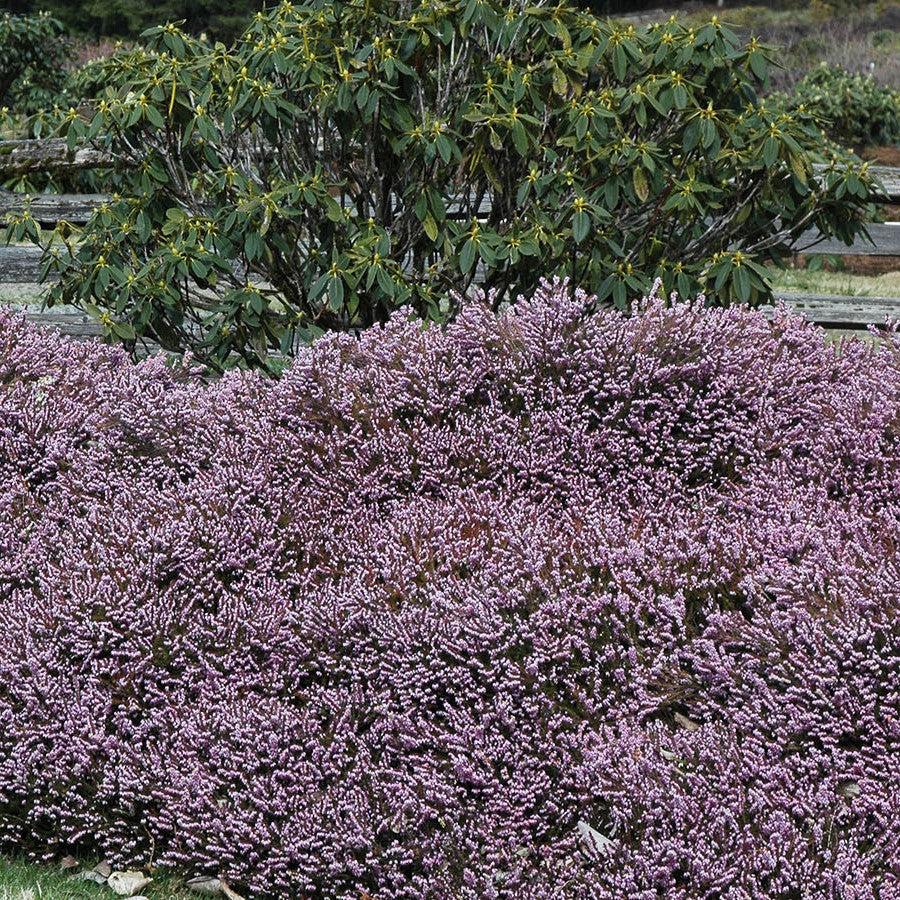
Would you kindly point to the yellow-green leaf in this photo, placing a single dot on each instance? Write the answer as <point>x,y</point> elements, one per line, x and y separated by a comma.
<point>641,188</point>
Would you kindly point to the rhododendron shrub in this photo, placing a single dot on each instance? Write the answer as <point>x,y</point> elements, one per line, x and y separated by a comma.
<point>537,605</point>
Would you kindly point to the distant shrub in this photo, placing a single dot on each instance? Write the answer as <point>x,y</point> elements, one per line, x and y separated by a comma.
<point>538,605</point>
<point>824,10</point>
<point>337,163</point>
<point>221,19</point>
<point>33,54</point>
<point>853,109</point>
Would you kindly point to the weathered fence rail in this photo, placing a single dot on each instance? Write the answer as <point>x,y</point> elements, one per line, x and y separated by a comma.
<point>890,181</point>
<point>48,209</point>
<point>40,155</point>
<point>21,264</point>
<point>885,242</point>
<point>843,313</point>
<point>68,322</point>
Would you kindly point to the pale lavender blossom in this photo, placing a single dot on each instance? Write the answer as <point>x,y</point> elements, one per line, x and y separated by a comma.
<point>538,605</point>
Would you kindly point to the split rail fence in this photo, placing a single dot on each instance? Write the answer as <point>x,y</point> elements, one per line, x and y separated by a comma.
<point>20,264</point>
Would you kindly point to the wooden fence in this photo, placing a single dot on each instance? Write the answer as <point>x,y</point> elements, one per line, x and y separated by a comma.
<point>21,264</point>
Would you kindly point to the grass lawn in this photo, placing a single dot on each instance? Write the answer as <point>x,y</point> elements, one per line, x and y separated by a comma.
<point>21,880</point>
<point>21,293</point>
<point>803,281</point>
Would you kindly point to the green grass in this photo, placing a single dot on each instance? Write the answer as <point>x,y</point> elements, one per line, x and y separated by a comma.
<point>31,294</point>
<point>20,880</point>
<point>804,281</point>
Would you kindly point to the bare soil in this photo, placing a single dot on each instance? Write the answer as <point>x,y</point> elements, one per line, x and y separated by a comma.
<point>883,156</point>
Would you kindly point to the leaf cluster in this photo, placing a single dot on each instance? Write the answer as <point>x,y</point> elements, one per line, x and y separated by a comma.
<point>345,159</point>
<point>33,55</point>
<point>852,108</point>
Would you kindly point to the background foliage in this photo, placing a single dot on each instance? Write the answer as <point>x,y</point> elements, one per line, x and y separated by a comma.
<point>854,109</point>
<point>336,162</point>
<point>33,55</point>
<point>223,19</point>
<point>860,37</point>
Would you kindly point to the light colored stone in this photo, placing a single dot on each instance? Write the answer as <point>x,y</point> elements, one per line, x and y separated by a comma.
<point>206,885</point>
<point>210,886</point>
<point>127,884</point>
<point>599,841</point>
<point>91,875</point>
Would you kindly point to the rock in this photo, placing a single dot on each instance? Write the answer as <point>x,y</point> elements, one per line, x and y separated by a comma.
<point>849,789</point>
<point>685,722</point>
<point>596,839</point>
<point>89,875</point>
<point>104,869</point>
<point>205,884</point>
<point>212,887</point>
<point>127,884</point>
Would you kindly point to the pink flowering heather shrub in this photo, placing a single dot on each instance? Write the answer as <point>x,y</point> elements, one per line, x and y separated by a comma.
<point>536,606</point>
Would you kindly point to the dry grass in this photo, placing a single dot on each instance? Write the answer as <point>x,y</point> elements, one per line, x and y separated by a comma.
<point>866,40</point>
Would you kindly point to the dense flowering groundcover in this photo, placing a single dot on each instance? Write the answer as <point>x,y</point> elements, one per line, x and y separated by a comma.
<point>537,605</point>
